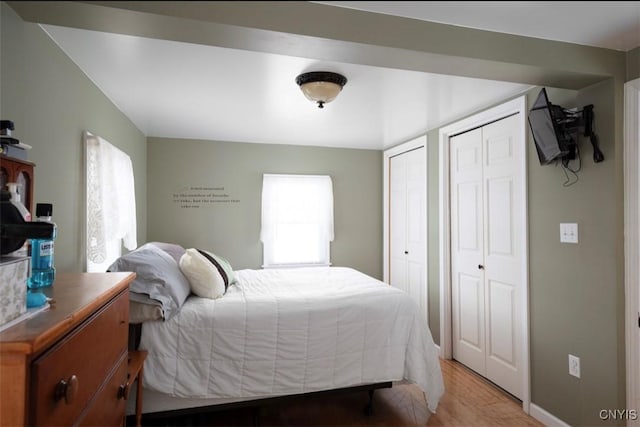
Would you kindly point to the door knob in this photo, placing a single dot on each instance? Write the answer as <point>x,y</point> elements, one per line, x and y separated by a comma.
<point>480,267</point>
<point>406,252</point>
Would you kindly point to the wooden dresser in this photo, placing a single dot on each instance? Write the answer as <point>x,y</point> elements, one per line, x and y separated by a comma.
<point>68,365</point>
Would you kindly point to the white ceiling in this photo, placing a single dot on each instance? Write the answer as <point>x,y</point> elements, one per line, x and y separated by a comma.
<point>182,90</point>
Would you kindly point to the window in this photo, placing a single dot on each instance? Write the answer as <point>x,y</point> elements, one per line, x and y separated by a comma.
<point>297,220</point>
<point>111,203</point>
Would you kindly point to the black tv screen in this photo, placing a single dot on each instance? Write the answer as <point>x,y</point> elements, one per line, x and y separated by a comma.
<point>545,130</point>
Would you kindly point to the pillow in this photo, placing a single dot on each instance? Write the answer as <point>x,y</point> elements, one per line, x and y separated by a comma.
<point>176,251</point>
<point>141,312</point>
<point>158,277</point>
<point>209,275</point>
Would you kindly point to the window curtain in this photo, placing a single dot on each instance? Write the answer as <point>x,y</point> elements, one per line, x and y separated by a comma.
<point>297,219</point>
<point>111,203</point>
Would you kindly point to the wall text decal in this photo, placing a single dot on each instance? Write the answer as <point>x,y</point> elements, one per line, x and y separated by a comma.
<point>195,197</point>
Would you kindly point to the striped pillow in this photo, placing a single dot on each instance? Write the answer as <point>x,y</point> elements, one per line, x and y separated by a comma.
<point>209,275</point>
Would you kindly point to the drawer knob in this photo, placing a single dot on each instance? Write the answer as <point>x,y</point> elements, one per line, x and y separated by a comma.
<point>123,391</point>
<point>67,390</point>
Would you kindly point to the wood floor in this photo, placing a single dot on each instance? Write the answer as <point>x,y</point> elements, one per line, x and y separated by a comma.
<point>469,400</point>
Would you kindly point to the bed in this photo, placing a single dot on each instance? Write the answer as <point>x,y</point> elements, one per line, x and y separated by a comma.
<point>285,332</point>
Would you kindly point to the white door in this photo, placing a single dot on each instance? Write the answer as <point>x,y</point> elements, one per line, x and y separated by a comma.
<point>632,246</point>
<point>486,207</point>
<point>467,279</point>
<point>407,224</point>
<point>398,222</point>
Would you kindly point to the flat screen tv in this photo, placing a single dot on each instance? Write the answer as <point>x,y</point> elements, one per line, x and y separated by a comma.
<point>551,144</point>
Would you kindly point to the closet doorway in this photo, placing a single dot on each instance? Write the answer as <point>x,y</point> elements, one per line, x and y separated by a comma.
<point>483,246</point>
<point>405,220</point>
<point>485,257</point>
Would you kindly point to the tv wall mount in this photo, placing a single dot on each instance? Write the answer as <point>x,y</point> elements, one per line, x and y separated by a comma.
<point>570,122</point>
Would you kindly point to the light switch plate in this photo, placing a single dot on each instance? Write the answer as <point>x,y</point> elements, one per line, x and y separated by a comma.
<point>569,232</point>
<point>574,366</point>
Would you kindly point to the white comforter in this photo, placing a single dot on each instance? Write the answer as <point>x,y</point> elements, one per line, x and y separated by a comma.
<point>282,332</point>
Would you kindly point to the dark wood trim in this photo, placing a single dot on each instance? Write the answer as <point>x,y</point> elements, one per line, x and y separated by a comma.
<point>14,168</point>
<point>5,157</point>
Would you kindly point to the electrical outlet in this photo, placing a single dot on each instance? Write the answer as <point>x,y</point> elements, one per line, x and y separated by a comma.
<point>574,366</point>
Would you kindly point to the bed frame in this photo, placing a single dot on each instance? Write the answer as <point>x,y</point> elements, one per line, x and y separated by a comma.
<point>257,404</point>
<point>134,340</point>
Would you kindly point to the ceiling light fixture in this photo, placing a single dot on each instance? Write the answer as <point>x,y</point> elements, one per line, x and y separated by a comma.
<point>321,86</point>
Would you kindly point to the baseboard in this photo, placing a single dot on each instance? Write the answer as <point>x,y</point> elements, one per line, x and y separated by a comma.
<point>545,417</point>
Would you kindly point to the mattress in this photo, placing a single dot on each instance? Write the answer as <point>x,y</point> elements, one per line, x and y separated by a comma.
<point>291,331</point>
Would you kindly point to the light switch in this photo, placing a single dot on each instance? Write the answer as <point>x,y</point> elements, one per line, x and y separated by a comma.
<point>569,232</point>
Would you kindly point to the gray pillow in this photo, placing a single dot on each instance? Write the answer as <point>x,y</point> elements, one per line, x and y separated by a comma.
<point>158,276</point>
<point>176,251</point>
<point>143,312</point>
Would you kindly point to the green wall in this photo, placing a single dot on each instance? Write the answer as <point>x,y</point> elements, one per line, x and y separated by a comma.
<point>433,241</point>
<point>575,291</point>
<point>232,229</point>
<point>576,302</point>
<point>51,101</point>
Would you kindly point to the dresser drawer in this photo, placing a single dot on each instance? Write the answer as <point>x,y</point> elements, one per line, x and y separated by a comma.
<point>66,377</point>
<point>109,405</point>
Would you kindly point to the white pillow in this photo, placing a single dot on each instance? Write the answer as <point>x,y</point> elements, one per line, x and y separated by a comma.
<point>207,273</point>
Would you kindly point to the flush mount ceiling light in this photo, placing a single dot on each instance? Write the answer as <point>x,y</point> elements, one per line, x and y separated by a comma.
<point>321,86</point>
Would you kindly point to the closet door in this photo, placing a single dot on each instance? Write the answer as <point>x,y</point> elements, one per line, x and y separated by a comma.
<point>467,256</point>
<point>503,260</point>
<point>407,228</point>
<point>398,222</point>
<point>486,265</point>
